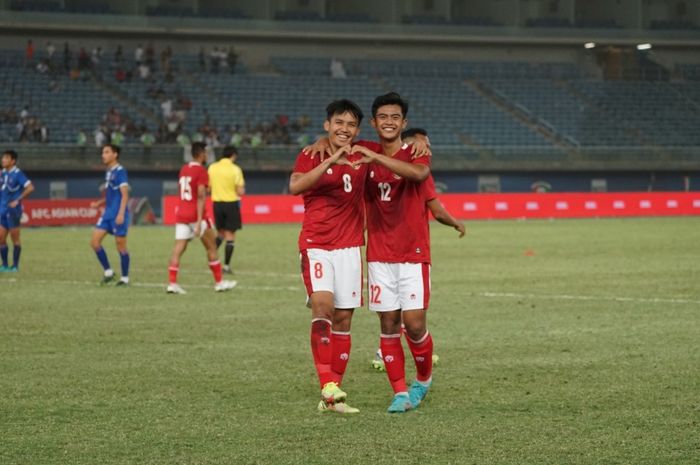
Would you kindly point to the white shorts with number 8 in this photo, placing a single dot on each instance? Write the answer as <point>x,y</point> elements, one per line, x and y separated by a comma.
<point>338,271</point>
<point>394,286</point>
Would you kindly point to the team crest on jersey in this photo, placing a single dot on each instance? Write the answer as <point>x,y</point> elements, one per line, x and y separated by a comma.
<point>329,171</point>
<point>389,358</point>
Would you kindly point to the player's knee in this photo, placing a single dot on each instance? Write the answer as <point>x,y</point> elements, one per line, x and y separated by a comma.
<point>415,330</point>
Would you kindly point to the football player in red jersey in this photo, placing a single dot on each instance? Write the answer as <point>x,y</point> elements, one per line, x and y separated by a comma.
<point>398,249</point>
<point>191,221</point>
<point>330,240</point>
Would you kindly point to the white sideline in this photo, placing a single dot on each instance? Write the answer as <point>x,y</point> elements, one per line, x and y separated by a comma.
<point>496,295</point>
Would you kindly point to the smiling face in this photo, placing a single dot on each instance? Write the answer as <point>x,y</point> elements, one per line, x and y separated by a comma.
<point>342,129</point>
<point>389,121</point>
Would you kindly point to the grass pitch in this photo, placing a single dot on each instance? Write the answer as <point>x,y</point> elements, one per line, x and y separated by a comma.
<point>561,342</point>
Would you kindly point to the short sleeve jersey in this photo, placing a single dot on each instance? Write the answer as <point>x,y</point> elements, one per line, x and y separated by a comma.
<point>397,215</point>
<point>334,209</point>
<point>115,178</point>
<point>226,177</point>
<point>192,175</point>
<point>12,184</point>
<point>429,191</point>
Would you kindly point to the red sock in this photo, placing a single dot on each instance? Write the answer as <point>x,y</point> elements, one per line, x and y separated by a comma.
<point>394,361</point>
<point>215,268</point>
<point>340,354</point>
<point>321,349</point>
<point>422,351</point>
<point>172,273</point>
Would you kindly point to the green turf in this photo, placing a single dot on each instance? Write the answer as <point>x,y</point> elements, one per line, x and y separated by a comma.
<point>561,342</point>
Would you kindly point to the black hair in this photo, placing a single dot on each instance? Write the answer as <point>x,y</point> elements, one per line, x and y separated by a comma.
<point>197,148</point>
<point>229,151</point>
<point>410,132</point>
<point>392,98</point>
<point>338,107</point>
<point>11,153</point>
<point>115,148</point>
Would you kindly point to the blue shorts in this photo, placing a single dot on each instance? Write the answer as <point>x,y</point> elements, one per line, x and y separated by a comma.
<point>112,227</point>
<point>10,218</point>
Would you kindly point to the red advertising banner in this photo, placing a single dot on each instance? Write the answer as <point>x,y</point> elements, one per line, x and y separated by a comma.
<point>290,209</point>
<point>59,212</point>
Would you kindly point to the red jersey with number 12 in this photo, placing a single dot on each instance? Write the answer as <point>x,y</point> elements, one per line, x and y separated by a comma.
<point>334,208</point>
<point>192,175</point>
<point>397,216</point>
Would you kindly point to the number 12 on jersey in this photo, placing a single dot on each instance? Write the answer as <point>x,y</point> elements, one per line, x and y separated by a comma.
<point>375,294</point>
<point>384,191</point>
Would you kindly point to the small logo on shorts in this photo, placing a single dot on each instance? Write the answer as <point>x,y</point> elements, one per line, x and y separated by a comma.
<point>413,297</point>
<point>344,356</point>
<point>354,294</point>
<point>371,174</point>
<point>417,249</point>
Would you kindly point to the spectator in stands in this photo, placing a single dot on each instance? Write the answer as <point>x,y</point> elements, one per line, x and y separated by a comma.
<point>337,69</point>
<point>236,137</point>
<point>165,58</point>
<point>42,67</point>
<point>118,56</point>
<point>214,60</point>
<point>43,131</point>
<point>54,85</point>
<point>83,60</point>
<point>100,136</point>
<point>24,114</point>
<point>81,140</point>
<point>183,140</point>
<point>144,72</point>
<point>50,51</point>
<point>117,137</point>
<point>147,139</point>
<point>67,57</point>
<point>97,57</point>
<point>150,55</point>
<point>138,55</point>
<point>202,60</point>
<point>29,53</point>
<point>20,130</point>
<point>120,75</point>
<point>232,60</point>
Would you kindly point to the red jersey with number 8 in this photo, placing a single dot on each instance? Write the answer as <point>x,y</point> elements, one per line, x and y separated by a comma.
<point>334,209</point>
<point>397,214</point>
<point>192,175</point>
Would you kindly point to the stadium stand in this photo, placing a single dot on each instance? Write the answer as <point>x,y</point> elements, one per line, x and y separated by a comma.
<point>477,105</point>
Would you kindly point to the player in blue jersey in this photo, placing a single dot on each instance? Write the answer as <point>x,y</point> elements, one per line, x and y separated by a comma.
<point>115,217</point>
<point>14,186</point>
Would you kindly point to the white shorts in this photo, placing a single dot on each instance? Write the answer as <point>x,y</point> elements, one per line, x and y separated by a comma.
<point>338,271</point>
<point>394,286</point>
<point>185,231</point>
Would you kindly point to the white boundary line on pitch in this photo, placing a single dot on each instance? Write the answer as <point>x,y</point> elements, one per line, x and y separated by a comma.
<point>152,285</point>
<point>497,295</point>
<point>514,295</point>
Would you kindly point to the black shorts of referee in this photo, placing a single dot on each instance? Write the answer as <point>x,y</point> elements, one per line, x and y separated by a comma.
<point>227,216</point>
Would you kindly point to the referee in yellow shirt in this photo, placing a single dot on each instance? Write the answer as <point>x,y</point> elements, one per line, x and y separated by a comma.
<point>227,187</point>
